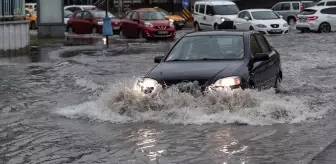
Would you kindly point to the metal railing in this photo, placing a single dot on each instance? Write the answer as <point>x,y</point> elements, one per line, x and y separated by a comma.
<point>10,9</point>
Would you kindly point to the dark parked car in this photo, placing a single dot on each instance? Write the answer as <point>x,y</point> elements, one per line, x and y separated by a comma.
<point>146,23</point>
<point>90,22</point>
<point>217,60</point>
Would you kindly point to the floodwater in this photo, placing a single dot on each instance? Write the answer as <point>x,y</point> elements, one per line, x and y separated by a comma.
<point>81,109</point>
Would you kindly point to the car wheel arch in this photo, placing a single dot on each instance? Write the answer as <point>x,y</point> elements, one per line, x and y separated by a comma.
<point>325,23</point>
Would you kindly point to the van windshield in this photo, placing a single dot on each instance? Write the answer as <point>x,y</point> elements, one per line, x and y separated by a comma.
<point>226,9</point>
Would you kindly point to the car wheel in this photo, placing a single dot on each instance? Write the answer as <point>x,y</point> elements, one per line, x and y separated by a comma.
<point>121,33</point>
<point>33,26</point>
<point>94,30</point>
<point>278,86</point>
<point>251,28</point>
<point>197,27</point>
<point>70,30</point>
<point>324,28</point>
<point>140,34</point>
<point>291,21</point>
<point>216,26</point>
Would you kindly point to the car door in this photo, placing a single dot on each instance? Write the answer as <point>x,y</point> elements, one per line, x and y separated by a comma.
<point>258,70</point>
<point>135,24</point>
<point>240,20</point>
<point>247,22</point>
<point>209,19</point>
<point>201,13</point>
<point>273,64</point>
<point>75,24</point>
<point>86,23</point>
<point>126,24</point>
<point>331,16</point>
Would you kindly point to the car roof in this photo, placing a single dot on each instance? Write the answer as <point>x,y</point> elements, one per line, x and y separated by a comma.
<point>250,10</point>
<point>220,32</point>
<point>216,2</point>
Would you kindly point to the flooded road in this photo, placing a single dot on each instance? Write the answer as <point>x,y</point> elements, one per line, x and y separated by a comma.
<point>81,109</point>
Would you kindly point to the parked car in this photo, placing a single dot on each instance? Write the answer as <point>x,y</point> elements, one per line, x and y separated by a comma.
<point>216,61</point>
<point>290,9</point>
<point>90,22</point>
<point>317,18</point>
<point>74,8</point>
<point>265,21</point>
<point>178,21</point>
<point>146,23</point>
<point>209,15</point>
<point>31,5</point>
<point>31,16</point>
<point>67,15</point>
<point>326,3</point>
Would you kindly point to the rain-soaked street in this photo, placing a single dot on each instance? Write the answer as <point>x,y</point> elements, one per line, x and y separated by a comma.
<point>81,109</point>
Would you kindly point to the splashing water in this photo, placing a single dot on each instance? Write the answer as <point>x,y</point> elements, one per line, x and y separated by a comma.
<point>121,104</point>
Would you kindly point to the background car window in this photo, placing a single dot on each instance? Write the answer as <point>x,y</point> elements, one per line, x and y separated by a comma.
<point>248,15</point>
<point>196,8</point>
<point>208,47</point>
<point>208,10</point>
<point>265,47</point>
<point>135,16</point>
<point>86,15</point>
<point>241,15</point>
<point>331,3</point>
<point>27,12</point>
<point>320,4</point>
<point>67,14</point>
<point>329,11</point>
<point>277,7</point>
<point>151,15</point>
<point>308,4</point>
<point>128,15</point>
<point>296,6</point>
<point>255,48</point>
<point>79,15</point>
<point>225,9</point>
<point>286,6</point>
<point>201,9</point>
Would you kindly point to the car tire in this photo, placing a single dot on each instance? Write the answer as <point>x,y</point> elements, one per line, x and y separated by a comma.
<point>197,27</point>
<point>278,86</point>
<point>140,34</point>
<point>121,33</point>
<point>324,28</point>
<point>251,28</point>
<point>291,21</point>
<point>216,26</point>
<point>94,30</point>
<point>69,29</point>
<point>234,27</point>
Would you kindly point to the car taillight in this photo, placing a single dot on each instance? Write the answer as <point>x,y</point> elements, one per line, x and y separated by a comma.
<point>297,18</point>
<point>312,18</point>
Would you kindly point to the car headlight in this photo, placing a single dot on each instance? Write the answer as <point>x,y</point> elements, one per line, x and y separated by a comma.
<point>285,25</point>
<point>100,23</point>
<point>227,82</point>
<point>146,85</point>
<point>171,22</point>
<point>147,24</point>
<point>183,19</point>
<point>261,26</point>
<point>224,19</point>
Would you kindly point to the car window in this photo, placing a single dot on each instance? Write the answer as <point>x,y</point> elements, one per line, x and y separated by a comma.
<point>296,6</point>
<point>86,15</point>
<point>214,47</point>
<point>241,15</point>
<point>248,15</point>
<point>201,9</point>
<point>331,3</point>
<point>285,6</point>
<point>308,4</point>
<point>225,9</point>
<point>255,48</point>
<point>331,10</point>
<point>27,12</point>
<point>320,4</point>
<point>196,8</point>
<point>208,10</point>
<point>135,16</point>
<point>277,7</point>
<point>128,15</point>
<point>265,47</point>
<point>78,15</point>
<point>67,14</point>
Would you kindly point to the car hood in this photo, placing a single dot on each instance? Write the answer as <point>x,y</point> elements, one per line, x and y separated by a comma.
<point>193,70</point>
<point>174,17</point>
<point>269,22</point>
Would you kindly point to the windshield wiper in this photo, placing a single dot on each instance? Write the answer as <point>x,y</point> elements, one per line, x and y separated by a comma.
<point>176,60</point>
<point>209,59</point>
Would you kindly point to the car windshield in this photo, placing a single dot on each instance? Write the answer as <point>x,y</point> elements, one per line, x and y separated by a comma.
<point>308,4</point>
<point>264,15</point>
<point>151,15</point>
<point>101,14</point>
<point>225,9</point>
<point>308,12</point>
<point>67,13</point>
<point>164,12</point>
<point>208,48</point>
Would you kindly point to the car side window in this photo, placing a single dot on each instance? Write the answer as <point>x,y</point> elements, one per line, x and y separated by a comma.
<point>27,12</point>
<point>78,15</point>
<point>128,16</point>
<point>86,15</point>
<point>277,7</point>
<point>255,48</point>
<point>134,16</point>
<point>265,47</point>
<point>331,3</point>
<point>196,8</point>
<point>241,15</point>
<point>296,6</point>
<point>248,15</point>
<point>286,6</point>
<point>208,10</point>
<point>201,9</point>
<point>320,4</point>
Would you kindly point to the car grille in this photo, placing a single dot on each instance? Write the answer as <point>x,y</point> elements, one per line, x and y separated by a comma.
<point>275,25</point>
<point>161,27</point>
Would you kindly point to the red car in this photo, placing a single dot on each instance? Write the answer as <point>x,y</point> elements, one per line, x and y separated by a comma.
<point>90,22</point>
<point>146,23</point>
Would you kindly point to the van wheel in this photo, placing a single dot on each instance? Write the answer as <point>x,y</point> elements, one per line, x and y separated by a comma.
<point>291,21</point>
<point>216,26</point>
<point>324,28</point>
<point>197,27</point>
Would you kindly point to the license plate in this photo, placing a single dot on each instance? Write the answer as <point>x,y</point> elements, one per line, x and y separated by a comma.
<point>277,30</point>
<point>162,32</point>
<point>302,20</point>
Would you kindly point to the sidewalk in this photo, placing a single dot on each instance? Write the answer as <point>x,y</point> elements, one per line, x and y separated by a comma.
<point>327,156</point>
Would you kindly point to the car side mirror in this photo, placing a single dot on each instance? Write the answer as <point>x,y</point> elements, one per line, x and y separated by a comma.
<point>158,59</point>
<point>281,16</point>
<point>246,18</point>
<point>260,57</point>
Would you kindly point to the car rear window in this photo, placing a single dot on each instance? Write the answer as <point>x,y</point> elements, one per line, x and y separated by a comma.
<point>209,47</point>
<point>308,12</point>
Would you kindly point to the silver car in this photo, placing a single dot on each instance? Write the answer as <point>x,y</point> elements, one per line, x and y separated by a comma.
<point>290,9</point>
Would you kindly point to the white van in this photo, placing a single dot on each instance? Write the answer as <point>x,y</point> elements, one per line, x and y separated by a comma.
<point>212,15</point>
<point>326,3</point>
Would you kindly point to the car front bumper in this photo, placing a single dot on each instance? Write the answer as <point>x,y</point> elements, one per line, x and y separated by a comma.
<point>272,31</point>
<point>181,23</point>
<point>158,33</point>
<point>312,25</point>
